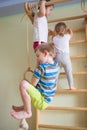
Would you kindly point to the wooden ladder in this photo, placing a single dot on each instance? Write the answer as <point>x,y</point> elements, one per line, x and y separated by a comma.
<point>67,91</point>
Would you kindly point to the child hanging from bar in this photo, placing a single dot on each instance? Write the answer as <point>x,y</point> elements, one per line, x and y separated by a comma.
<point>61,36</point>
<point>40,35</point>
<point>43,84</point>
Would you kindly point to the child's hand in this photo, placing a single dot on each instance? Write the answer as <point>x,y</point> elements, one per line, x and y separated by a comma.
<point>69,30</point>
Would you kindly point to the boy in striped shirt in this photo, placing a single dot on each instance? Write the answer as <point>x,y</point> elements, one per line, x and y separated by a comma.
<point>43,83</point>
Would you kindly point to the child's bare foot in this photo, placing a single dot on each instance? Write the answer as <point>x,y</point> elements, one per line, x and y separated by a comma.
<point>17,108</point>
<point>21,115</point>
<point>72,88</point>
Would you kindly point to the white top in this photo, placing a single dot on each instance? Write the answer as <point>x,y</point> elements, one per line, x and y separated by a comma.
<point>61,43</point>
<point>40,29</point>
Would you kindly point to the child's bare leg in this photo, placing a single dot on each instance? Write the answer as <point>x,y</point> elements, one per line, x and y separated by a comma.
<point>17,108</point>
<point>26,112</point>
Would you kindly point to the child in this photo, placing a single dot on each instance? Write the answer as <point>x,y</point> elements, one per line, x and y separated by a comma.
<point>40,24</point>
<point>43,83</point>
<point>61,39</point>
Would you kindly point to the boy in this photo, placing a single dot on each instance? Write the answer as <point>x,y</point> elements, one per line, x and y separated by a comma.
<point>43,83</point>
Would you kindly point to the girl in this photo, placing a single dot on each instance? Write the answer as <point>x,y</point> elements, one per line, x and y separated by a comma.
<point>61,39</point>
<point>40,35</point>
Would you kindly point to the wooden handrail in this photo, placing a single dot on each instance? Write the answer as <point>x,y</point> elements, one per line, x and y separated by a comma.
<point>61,127</point>
<point>71,91</point>
<point>68,18</point>
<point>67,108</point>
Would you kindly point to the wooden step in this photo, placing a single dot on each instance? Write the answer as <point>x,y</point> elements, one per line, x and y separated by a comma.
<point>74,73</point>
<point>67,108</point>
<point>71,91</point>
<point>78,56</point>
<point>74,30</point>
<point>68,18</point>
<point>77,42</point>
<point>78,29</point>
<point>61,127</point>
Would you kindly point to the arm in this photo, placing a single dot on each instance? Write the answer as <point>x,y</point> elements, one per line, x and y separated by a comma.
<point>51,33</point>
<point>37,75</point>
<point>70,32</point>
<point>34,81</point>
<point>42,9</point>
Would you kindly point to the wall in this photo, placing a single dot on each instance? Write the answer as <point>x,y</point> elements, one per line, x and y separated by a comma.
<point>13,62</point>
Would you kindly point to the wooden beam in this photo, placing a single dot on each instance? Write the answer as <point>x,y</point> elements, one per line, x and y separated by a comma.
<point>68,18</point>
<point>37,119</point>
<point>78,30</point>
<point>56,1</point>
<point>77,42</point>
<point>86,30</point>
<point>78,57</point>
<point>68,91</point>
<point>62,127</point>
<point>67,108</point>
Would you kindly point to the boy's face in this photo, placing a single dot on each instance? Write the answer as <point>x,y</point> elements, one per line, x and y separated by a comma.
<point>49,10</point>
<point>41,56</point>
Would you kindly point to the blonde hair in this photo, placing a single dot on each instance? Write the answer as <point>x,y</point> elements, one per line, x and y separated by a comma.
<point>48,47</point>
<point>60,28</point>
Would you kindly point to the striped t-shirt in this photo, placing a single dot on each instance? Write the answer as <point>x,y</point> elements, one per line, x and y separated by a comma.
<point>47,75</point>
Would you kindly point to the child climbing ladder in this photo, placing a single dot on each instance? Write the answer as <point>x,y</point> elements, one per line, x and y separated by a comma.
<point>44,77</point>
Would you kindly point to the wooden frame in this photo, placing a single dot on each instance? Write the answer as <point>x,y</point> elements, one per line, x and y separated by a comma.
<point>86,31</point>
<point>61,127</point>
<point>68,18</point>
<point>67,91</point>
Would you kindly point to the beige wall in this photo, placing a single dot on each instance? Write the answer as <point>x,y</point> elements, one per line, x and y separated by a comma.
<point>13,62</point>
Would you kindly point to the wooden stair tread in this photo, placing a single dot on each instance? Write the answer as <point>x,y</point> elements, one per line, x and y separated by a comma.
<point>62,127</point>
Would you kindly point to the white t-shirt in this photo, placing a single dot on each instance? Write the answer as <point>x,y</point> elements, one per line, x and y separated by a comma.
<point>61,43</point>
<point>40,29</point>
